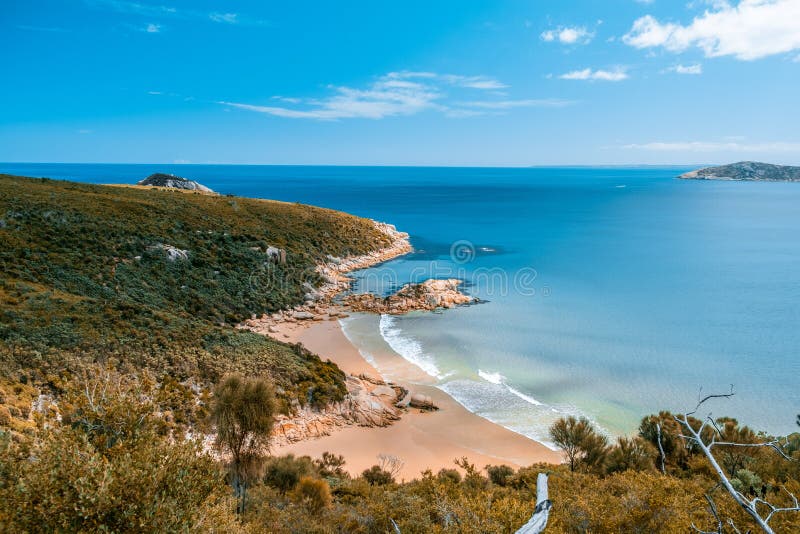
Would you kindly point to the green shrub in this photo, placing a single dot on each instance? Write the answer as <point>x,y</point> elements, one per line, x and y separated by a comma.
<point>376,476</point>
<point>499,474</point>
<point>284,472</point>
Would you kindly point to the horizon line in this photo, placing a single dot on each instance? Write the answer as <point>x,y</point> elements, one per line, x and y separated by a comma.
<point>410,165</point>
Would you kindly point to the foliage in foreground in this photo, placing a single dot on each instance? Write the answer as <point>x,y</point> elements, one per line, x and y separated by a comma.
<point>114,463</point>
<point>110,465</point>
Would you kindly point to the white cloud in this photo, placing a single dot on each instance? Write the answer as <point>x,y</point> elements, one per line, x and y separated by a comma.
<point>714,146</point>
<point>229,18</point>
<point>751,30</point>
<point>288,100</point>
<point>616,75</point>
<point>472,82</point>
<point>568,35</point>
<point>695,68</point>
<point>398,94</point>
<point>475,82</point>
<point>152,28</point>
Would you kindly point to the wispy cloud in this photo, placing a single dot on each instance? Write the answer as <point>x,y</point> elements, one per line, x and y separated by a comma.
<point>152,28</point>
<point>695,68</point>
<point>472,82</point>
<point>159,10</point>
<point>753,29</point>
<point>568,35</point>
<point>229,18</point>
<point>616,75</point>
<point>715,146</point>
<point>401,93</point>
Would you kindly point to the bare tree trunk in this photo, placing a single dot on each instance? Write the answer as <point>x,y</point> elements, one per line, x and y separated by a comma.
<point>538,520</point>
<point>661,449</point>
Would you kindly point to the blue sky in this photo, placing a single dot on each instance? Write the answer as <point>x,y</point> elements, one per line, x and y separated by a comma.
<point>400,83</point>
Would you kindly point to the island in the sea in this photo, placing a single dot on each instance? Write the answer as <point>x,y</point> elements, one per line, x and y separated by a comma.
<point>746,170</point>
<point>160,179</point>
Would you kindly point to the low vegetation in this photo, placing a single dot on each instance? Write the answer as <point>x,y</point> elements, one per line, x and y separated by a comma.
<point>112,461</point>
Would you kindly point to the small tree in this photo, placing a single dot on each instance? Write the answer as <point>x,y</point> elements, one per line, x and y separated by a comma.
<point>582,444</point>
<point>244,414</point>
<point>630,454</point>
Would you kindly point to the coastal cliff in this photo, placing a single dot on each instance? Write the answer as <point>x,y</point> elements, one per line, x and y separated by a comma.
<point>746,171</point>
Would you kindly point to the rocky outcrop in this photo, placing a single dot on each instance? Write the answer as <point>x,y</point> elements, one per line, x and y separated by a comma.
<point>172,253</point>
<point>369,402</point>
<point>334,271</point>
<point>429,295</point>
<point>175,182</point>
<point>746,170</point>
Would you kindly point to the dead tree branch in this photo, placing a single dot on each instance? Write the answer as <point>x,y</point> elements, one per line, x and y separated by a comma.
<point>750,506</point>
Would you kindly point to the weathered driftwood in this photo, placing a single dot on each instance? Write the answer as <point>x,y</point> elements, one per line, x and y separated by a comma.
<point>538,520</point>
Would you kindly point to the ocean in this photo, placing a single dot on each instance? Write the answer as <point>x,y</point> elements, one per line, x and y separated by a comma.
<point>608,292</point>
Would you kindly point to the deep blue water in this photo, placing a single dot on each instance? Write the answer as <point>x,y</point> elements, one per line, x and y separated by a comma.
<point>612,292</point>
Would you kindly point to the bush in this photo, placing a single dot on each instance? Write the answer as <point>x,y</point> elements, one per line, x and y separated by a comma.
<point>312,493</point>
<point>584,447</point>
<point>377,476</point>
<point>450,475</point>
<point>634,454</point>
<point>284,472</point>
<point>330,465</point>
<point>499,474</point>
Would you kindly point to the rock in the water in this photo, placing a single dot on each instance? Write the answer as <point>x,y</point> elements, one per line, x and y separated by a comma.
<point>429,295</point>
<point>175,182</point>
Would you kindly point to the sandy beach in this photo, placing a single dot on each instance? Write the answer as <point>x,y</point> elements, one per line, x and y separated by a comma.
<point>423,440</point>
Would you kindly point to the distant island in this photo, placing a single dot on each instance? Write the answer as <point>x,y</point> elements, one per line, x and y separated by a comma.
<point>746,170</point>
<point>175,182</point>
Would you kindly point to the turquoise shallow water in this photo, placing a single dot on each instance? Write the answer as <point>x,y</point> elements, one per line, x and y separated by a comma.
<point>611,292</point>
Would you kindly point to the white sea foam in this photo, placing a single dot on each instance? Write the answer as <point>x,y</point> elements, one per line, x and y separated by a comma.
<point>500,380</point>
<point>521,395</point>
<point>494,378</point>
<point>495,402</point>
<point>406,346</point>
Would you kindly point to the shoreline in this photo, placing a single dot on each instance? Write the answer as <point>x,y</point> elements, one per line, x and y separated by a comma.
<point>422,439</point>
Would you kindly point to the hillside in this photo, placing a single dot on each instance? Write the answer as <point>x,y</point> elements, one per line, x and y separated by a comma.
<point>746,170</point>
<point>155,279</point>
